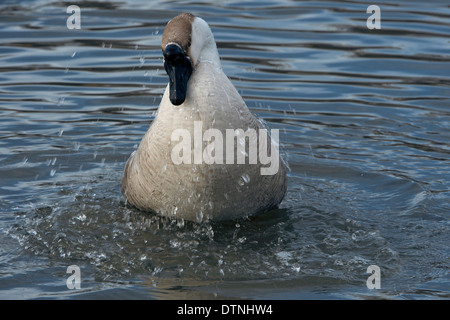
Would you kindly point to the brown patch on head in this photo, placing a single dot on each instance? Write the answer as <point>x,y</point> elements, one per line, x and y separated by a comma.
<point>179,30</point>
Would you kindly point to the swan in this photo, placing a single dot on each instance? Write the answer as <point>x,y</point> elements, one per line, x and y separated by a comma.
<point>199,111</point>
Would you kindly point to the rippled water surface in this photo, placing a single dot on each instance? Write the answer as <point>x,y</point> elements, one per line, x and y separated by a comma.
<point>364,119</point>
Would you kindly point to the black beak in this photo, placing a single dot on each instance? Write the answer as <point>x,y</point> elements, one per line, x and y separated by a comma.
<point>179,68</point>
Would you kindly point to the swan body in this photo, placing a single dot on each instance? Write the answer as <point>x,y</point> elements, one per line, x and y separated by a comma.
<point>199,99</point>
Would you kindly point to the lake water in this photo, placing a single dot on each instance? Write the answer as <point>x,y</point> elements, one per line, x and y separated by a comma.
<point>364,120</point>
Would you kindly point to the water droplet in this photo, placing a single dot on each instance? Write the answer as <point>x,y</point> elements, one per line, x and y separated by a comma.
<point>242,239</point>
<point>245,178</point>
<point>180,223</point>
<point>81,217</point>
<point>61,101</point>
<point>199,216</point>
<point>174,243</point>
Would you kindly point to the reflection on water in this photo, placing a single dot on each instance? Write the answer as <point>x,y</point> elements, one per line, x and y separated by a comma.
<point>363,118</point>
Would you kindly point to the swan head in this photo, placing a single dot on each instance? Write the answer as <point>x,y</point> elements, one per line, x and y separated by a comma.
<point>187,40</point>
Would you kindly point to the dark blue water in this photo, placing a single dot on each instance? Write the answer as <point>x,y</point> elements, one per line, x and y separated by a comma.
<point>364,119</point>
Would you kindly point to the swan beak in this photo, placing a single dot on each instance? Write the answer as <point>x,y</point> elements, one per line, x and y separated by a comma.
<point>179,69</point>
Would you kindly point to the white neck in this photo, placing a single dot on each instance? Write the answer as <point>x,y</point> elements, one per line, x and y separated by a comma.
<point>203,47</point>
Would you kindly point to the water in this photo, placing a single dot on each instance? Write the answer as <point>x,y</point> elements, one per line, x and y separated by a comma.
<point>364,123</point>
